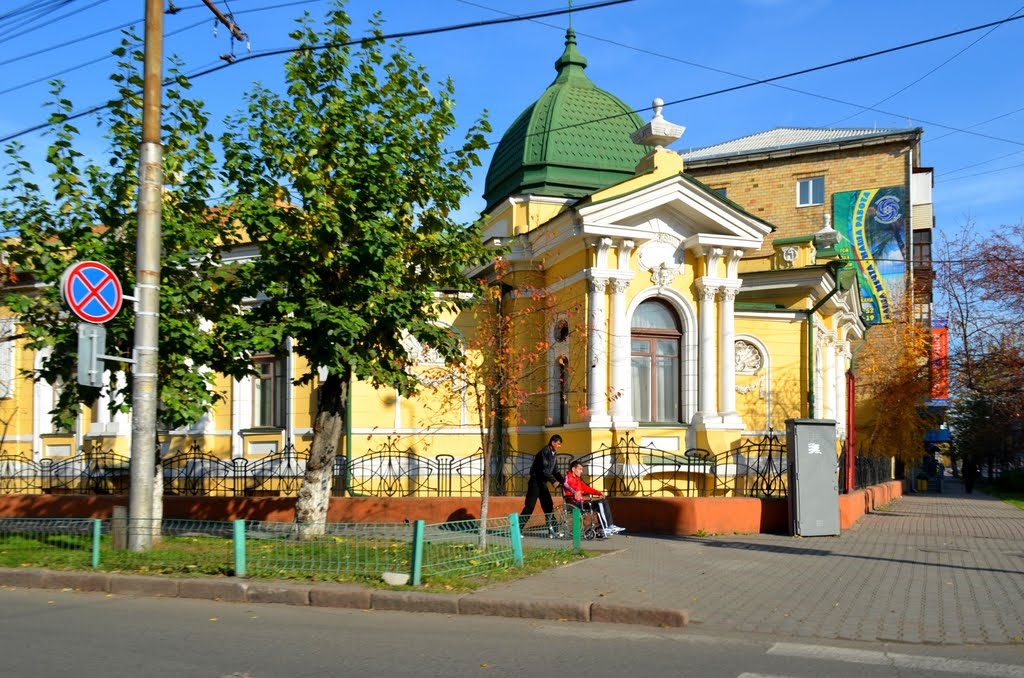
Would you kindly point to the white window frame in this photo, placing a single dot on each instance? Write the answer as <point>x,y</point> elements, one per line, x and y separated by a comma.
<point>7,357</point>
<point>809,183</point>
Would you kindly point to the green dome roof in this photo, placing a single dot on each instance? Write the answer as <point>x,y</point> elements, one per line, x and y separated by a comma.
<point>573,141</point>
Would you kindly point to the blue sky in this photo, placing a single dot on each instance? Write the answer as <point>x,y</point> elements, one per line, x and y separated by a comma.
<point>967,92</point>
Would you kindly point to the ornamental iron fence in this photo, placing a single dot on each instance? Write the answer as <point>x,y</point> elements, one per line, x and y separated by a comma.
<point>756,468</point>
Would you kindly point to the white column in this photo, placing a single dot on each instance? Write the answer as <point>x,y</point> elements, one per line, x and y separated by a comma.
<point>831,378</point>
<point>621,404</point>
<point>706,350</point>
<point>597,340</point>
<point>727,352</point>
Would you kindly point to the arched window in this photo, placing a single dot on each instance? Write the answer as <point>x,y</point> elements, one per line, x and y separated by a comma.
<point>558,405</point>
<point>656,371</point>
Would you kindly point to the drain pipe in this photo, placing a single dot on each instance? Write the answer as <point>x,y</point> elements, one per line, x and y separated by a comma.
<point>834,267</point>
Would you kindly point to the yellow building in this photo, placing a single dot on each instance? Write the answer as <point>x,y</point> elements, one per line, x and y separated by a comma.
<point>687,311</point>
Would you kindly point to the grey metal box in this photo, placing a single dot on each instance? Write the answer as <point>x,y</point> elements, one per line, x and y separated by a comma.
<point>813,479</point>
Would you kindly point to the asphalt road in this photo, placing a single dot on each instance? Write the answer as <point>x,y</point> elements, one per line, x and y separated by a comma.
<point>88,635</point>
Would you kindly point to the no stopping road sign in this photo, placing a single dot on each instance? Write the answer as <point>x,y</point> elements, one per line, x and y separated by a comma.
<point>91,291</point>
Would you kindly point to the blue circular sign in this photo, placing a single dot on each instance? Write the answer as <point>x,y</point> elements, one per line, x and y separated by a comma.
<point>91,291</point>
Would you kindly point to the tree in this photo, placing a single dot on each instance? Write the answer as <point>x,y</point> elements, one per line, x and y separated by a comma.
<point>981,286</point>
<point>893,383</point>
<point>505,373</point>
<point>349,191</point>
<point>88,212</point>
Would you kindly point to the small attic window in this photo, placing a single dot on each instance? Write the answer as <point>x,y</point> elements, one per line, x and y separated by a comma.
<point>721,191</point>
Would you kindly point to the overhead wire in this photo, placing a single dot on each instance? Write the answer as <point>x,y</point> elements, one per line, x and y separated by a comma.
<point>23,30</point>
<point>357,41</point>
<point>933,70</point>
<point>106,57</point>
<point>750,80</point>
<point>534,16</point>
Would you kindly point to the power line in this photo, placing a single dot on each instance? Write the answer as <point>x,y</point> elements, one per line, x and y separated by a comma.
<point>914,82</point>
<point>978,174</point>
<point>531,17</point>
<point>833,64</point>
<point>41,13</point>
<point>753,81</point>
<point>357,41</point>
<point>126,24</point>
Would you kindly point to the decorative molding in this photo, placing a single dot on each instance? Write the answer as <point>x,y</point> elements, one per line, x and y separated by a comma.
<point>748,358</point>
<point>759,384</point>
<point>598,285</point>
<point>619,285</point>
<point>728,294</point>
<point>789,255</point>
<point>708,292</point>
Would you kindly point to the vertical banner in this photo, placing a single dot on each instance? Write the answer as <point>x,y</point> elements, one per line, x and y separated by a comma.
<point>939,368</point>
<point>873,225</point>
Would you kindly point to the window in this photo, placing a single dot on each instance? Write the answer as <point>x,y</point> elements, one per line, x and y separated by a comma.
<point>810,192</point>
<point>270,390</point>
<point>922,248</point>
<point>656,348</point>
<point>724,192</point>
<point>561,413</point>
<point>559,376</point>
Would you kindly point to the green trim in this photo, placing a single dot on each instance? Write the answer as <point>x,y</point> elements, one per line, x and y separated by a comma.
<point>794,240</point>
<point>755,306</point>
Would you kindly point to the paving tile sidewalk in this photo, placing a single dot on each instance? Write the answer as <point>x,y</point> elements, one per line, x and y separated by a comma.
<point>929,568</point>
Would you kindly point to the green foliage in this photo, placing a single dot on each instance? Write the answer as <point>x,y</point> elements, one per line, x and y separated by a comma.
<point>346,185</point>
<point>90,213</point>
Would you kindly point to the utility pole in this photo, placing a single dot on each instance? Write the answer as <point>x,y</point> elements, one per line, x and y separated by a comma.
<point>147,290</point>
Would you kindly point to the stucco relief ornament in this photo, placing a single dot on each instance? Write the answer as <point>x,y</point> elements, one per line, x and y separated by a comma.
<point>789,255</point>
<point>659,258</point>
<point>748,359</point>
<point>420,354</point>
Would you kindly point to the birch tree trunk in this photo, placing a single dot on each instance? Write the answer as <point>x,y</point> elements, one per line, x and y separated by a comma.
<point>328,428</point>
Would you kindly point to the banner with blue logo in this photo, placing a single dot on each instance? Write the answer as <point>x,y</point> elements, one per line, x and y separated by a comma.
<point>873,225</point>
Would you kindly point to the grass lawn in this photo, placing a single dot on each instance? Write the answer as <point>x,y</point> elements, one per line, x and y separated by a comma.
<point>328,559</point>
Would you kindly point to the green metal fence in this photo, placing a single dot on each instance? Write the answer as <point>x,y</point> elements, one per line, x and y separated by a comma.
<point>265,549</point>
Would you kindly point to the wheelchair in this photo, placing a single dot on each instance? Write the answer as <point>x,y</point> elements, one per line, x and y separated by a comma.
<point>590,521</point>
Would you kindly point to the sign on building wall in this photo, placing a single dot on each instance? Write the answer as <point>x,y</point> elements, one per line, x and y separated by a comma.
<point>939,367</point>
<point>873,225</point>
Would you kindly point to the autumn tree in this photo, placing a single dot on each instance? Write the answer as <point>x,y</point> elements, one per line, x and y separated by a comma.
<point>893,386</point>
<point>981,294</point>
<point>506,376</point>
<point>346,184</point>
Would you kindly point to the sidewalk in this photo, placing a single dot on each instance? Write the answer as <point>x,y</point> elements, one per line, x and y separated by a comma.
<point>930,568</point>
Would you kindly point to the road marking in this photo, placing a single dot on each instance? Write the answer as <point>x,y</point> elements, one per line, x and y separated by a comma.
<point>906,661</point>
<point>761,675</point>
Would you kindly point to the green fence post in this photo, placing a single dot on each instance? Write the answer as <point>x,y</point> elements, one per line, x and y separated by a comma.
<point>417,553</point>
<point>577,527</point>
<point>517,538</point>
<point>238,537</point>
<point>97,528</point>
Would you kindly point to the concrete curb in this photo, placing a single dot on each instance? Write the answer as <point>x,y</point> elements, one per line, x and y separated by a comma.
<point>340,596</point>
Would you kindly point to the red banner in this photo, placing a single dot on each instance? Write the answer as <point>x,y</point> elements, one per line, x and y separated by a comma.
<point>940,361</point>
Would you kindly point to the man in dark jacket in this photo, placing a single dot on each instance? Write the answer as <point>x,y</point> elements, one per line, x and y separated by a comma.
<point>542,472</point>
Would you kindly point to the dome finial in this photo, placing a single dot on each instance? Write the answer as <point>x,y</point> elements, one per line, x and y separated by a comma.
<point>571,62</point>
